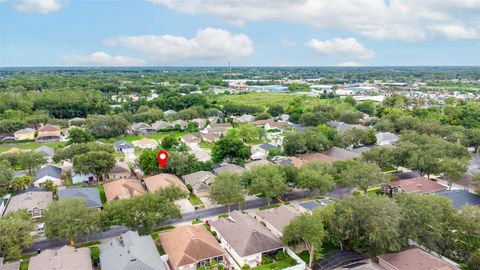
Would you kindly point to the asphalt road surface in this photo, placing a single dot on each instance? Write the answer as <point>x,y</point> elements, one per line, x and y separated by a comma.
<point>202,213</point>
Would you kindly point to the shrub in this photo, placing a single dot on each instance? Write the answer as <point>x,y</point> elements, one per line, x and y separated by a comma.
<point>95,254</point>
<point>266,260</point>
<point>246,266</point>
<point>356,193</point>
<point>190,188</point>
<point>280,256</point>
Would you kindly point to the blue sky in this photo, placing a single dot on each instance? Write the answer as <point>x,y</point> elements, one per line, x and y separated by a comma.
<point>243,32</point>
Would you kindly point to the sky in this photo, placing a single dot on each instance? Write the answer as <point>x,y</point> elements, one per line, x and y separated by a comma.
<point>240,32</point>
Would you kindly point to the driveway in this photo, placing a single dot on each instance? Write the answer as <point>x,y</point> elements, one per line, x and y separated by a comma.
<point>185,206</point>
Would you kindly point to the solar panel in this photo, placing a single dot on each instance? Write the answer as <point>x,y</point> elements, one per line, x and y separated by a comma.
<point>337,259</point>
<point>310,205</point>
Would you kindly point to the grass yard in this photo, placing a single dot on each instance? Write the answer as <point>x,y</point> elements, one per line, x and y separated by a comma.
<point>164,228</point>
<point>277,265</point>
<point>101,191</point>
<point>327,248</point>
<point>223,216</point>
<point>88,244</point>
<point>194,200</point>
<point>30,146</point>
<point>205,145</point>
<point>196,221</point>
<point>155,136</point>
<point>276,205</point>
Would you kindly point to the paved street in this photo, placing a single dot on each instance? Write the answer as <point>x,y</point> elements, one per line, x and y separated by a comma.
<point>187,217</point>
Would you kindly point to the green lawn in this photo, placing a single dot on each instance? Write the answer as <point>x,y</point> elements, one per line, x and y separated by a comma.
<point>101,191</point>
<point>164,228</point>
<point>269,207</point>
<point>30,146</point>
<point>196,221</point>
<point>277,265</point>
<point>205,145</point>
<point>327,248</point>
<point>223,216</point>
<point>266,99</point>
<point>194,200</point>
<point>88,244</point>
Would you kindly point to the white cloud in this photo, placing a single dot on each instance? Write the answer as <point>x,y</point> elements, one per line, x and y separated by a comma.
<point>408,20</point>
<point>348,47</point>
<point>349,64</point>
<point>208,44</point>
<point>289,43</point>
<point>38,6</point>
<point>455,31</point>
<point>103,59</point>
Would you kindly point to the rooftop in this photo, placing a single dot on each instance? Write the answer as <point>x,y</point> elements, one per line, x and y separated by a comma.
<point>89,195</point>
<point>278,217</point>
<point>413,258</point>
<point>65,258</point>
<point>460,198</point>
<point>160,181</point>
<point>49,171</point>
<point>123,189</point>
<point>29,200</point>
<point>420,185</point>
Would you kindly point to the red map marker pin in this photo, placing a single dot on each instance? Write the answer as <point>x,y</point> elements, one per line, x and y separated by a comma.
<point>162,157</point>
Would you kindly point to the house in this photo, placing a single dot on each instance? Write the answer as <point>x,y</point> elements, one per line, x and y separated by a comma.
<point>201,122</point>
<point>294,161</point>
<point>190,140</point>
<point>49,130</point>
<point>78,178</point>
<point>341,127</point>
<point>76,120</point>
<point>284,117</point>
<point>210,137</point>
<point>460,198</point>
<point>131,251</point>
<point>199,181</point>
<point>66,257</point>
<point>218,131</point>
<point>48,172</point>
<point>120,171</point>
<point>142,128</point>
<point>145,143</point>
<point>341,154</point>
<point>245,239</point>
<point>200,153</point>
<point>160,181</point>
<point>180,123</point>
<point>123,189</point>
<point>261,162</point>
<point>161,125</point>
<point>260,151</point>
<point>276,219</point>
<point>34,201</point>
<point>271,125</point>
<point>361,265</point>
<point>413,258</point>
<point>24,134</point>
<point>317,156</point>
<point>47,152</point>
<point>386,138</point>
<point>420,185</point>
<point>89,195</point>
<point>246,118</point>
<point>221,125</point>
<point>261,123</point>
<point>191,247</point>
<point>169,112</point>
<point>48,133</point>
<point>228,167</point>
<point>123,146</point>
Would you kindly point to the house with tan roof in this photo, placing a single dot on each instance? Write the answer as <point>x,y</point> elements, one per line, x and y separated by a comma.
<point>294,161</point>
<point>65,258</point>
<point>123,189</point>
<point>25,134</point>
<point>199,181</point>
<point>317,156</point>
<point>210,137</point>
<point>180,123</point>
<point>341,154</point>
<point>34,202</point>
<point>161,125</point>
<point>157,182</point>
<point>142,128</point>
<point>276,219</point>
<point>420,185</point>
<point>245,239</point>
<point>190,140</point>
<point>191,247</point>
<point>48,133</point>
<point>414,258</point>
<point>121,170</point>
<point>145,143</point>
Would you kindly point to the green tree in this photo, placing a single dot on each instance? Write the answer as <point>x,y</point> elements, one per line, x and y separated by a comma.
<point>31,160</point>
<point>368,224</point>
<point>15,234</point>
<point>107,126</point>
<point>367,107</point>
<point>476,182</point>
<point>6,173</point>
<point>309,230</point>
<point>169,142</point>
<point>227,190</point>
<point>230,148</point>
<point>363,175</point>
<point>262,116</point>
<point>294,144</point>
<point>251,133</point>
<point>316,176</point>
<point>275,109</point>
<point>70,218</point>
<point>350,100</point>
<point>316,141</point>
<point>149,162</point>
<point>79,135</point>
<point>454,169</point>
<point>269,181</point>
<point>20,183</point>
<point>382,156</point>
<point>143,213</point>
<point>99,163</point>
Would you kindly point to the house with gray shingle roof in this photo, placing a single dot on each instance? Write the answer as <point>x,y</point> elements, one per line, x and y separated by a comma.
<point>34,201</point>
<point>276,219</point>
<point>46,152</point>
<point>341,154</point>
<point>123,146</point>
<point>386,138</point>
<point>460,198</point>
<point>89,195</point>
<point>199,181</point>
<point>48,172</point>
<point>131,251</point>
<point>228,167</point>
<point>245,238</point>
